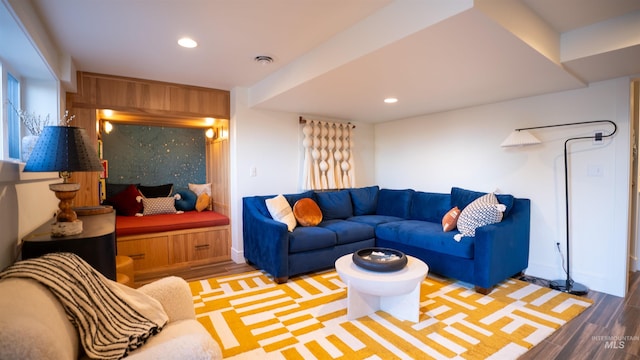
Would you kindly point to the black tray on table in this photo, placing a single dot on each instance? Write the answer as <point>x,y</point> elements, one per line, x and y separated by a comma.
<point>380,259</point>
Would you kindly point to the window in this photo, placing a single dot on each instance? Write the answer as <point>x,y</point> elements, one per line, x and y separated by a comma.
<point>13,120</point>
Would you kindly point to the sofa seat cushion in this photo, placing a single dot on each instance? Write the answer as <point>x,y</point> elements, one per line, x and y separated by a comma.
<point>426,235</point>
<point>349,231</point>
<point>374,220</point>
<point>310,238</point>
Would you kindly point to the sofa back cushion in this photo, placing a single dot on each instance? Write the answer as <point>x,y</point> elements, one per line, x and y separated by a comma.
<point>293,198</point>
<point>394,202</point>
<point>462,197</point>
<point>365,200</point>
<point>335,204</point>
<point>430,207</point>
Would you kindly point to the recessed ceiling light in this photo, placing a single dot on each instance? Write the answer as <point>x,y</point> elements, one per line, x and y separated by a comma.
<point>391,100</point>
<point>187,42</point>
<point>263,59</point>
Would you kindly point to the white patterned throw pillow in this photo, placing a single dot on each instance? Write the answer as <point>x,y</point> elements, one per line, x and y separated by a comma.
<point>281,211</point>
<point>161,205</point>
<point>482,211</point>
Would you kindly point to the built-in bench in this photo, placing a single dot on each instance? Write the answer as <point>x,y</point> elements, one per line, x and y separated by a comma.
<point>163,244</point>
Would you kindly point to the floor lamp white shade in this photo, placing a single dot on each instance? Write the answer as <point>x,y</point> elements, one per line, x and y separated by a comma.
<point>520,138</point>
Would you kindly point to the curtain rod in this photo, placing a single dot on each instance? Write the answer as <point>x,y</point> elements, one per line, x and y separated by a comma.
<point>304,121</point>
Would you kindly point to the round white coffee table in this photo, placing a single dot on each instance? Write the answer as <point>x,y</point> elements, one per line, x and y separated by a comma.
<point>396,292</point>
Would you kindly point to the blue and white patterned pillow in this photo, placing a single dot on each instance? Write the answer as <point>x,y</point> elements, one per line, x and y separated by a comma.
<point>484,210</point>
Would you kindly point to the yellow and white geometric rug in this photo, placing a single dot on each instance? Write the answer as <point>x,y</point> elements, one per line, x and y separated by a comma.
<point>251,317</point>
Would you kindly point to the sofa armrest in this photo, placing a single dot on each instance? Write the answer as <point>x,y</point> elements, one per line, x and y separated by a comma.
<point>502,249</point>
<point>174,295</point>
<point>33,323</point>
<point>265,241</point>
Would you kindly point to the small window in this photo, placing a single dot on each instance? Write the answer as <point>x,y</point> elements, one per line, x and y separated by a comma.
<point>13,120</point>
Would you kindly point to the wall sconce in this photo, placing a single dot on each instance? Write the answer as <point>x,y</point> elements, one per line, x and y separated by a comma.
<point>108,127</point>
<point>210,133</point>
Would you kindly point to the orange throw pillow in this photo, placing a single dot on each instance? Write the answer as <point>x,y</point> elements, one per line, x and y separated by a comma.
<point>450,219</point>
<point>307,212</point>
<point>202,203</point>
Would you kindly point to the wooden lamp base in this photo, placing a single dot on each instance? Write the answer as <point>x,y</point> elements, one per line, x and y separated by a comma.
<point>67,222</point>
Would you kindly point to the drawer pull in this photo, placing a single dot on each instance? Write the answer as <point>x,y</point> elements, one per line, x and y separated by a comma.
<point>202,247</point>
<point>137,256</point>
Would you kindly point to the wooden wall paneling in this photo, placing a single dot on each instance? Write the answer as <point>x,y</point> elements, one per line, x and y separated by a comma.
<point>129,94</point>
<point>152,98</point>
<point>221,178</point>
<point>88,193</point>
<point>218,171</point>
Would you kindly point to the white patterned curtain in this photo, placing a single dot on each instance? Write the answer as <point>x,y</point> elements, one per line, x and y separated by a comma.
<point>328,156</point>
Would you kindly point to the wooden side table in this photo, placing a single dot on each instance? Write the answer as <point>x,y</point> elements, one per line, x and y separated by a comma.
<point>96,244</point>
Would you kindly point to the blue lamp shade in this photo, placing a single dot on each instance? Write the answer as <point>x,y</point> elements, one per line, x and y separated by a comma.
<point>63,148</point>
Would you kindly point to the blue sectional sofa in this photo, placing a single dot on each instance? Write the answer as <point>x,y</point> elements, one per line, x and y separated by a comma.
<point>406,220</point>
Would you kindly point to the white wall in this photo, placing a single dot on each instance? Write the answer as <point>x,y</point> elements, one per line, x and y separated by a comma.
<point>272,143</point>
<point>462,148</point>
<point>25,199</point>
<point>25,203</point>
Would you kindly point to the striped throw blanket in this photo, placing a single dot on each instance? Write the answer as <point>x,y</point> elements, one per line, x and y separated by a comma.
<point>111,319</point>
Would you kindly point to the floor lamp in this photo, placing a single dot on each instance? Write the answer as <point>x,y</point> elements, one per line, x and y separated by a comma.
<point>520,137</point>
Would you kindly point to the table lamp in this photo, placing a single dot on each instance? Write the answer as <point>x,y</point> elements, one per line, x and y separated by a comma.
<point>64,149</point>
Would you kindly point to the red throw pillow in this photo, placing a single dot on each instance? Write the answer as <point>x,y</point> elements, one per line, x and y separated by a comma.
<point>450,219</point>
<point>126,202</point>
<point>307,212</point>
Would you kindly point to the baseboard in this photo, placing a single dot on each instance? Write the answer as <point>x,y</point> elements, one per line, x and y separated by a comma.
<point>592,281</point>
<point>237,256</point>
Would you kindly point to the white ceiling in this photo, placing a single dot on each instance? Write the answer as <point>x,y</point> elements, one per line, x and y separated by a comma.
<point>340,58</point>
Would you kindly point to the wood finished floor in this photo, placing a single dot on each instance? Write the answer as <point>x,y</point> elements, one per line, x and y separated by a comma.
<point>588,335</point>
<point>585,337</point>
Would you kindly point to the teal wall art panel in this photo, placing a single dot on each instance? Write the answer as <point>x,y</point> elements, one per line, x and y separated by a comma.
<point>154,155</point>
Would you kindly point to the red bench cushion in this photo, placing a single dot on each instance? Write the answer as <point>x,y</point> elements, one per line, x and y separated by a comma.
<point>133,225</point>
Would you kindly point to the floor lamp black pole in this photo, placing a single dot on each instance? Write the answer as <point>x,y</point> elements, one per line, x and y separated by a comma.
<point>565,285</point>
<point>568,285</point>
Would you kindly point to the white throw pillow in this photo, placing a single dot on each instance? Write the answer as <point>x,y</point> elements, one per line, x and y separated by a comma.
<point>200,188</point>
<point>482,211</point>
<point>280,210</point>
